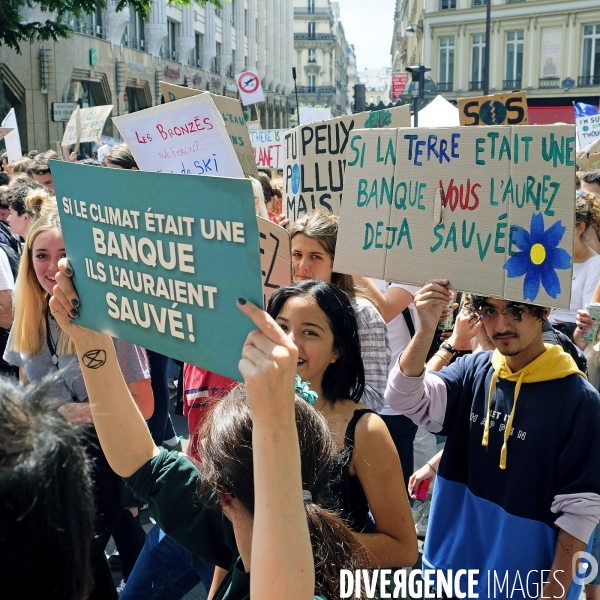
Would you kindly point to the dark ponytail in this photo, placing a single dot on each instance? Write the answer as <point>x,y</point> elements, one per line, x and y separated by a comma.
<point>225,448</point>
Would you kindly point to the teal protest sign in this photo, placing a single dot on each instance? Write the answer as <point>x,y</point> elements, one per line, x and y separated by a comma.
<point>491,209</point>
<point>160,259</point>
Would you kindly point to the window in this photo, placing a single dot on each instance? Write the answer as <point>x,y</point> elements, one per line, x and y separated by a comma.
<point>134,36</point>
<point>446,4</point>
<point>198,50</point>
<point>514,59</point>
<point>232,13</point>
<point>590,68</point>
<point>215,66</point>
<point>446,75</point>
<point>311,6</point>
<point>218,12</point>
<point>231,68</point>
<point>88,24</point>
<point>312,28</point>
<point>171,45</point>
<point>245,21</point>
<point>479,2</point>
<point>477,61</point>
<point>312,83</point>
<point>312,55</point>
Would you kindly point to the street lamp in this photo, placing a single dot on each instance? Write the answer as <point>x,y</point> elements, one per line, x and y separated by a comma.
<point>418,76</point>
<point>411,29</point>
<point>486,70</point>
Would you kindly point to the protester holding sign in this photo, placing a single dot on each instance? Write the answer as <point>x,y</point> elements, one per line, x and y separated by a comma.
<point>261,447</point>
<point>586,263</point>
<point>319,318</point>
<point>39,347</point>
<point>314,239</point>
<point>520,461</point>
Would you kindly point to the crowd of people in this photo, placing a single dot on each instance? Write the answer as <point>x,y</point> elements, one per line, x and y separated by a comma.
<point>364,423</point>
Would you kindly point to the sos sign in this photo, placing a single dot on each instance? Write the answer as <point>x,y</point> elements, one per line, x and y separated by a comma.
<point>500,109</point>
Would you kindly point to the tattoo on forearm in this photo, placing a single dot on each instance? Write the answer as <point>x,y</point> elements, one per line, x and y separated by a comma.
<point>94,359</point>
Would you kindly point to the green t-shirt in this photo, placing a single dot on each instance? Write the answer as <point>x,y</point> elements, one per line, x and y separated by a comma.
<point>168,484</point>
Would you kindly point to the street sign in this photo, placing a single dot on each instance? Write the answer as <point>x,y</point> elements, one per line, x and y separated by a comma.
<point>249,86</point>
<point>568,83</point>
<point>61,111</point>
<point>399,81</point>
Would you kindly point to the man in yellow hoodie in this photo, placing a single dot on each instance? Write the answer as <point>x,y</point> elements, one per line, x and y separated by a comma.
<point>518,488</point>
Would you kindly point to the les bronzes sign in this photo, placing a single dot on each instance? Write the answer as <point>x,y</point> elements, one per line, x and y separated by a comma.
<point>174,73</point>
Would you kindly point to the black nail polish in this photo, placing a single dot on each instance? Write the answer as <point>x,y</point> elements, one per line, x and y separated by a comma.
<point>68,271</point>
<point>75,302</point>
<point>74,313</point>
<point>242,301</point>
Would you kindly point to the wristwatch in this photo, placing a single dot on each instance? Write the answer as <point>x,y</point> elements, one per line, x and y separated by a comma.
<point>448,348</point>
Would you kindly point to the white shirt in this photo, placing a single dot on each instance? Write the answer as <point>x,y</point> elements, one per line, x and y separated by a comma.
<point>398,333</point>
<point>7,281</point>
<point>585,279</point>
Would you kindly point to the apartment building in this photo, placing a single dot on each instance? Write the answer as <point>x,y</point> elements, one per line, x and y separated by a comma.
<point>323,57</point>
<point>119,58</point>
<point>550,48</point>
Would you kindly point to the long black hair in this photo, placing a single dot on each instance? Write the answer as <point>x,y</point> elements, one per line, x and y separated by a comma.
<point>228,468</point>
<point>345,378</point>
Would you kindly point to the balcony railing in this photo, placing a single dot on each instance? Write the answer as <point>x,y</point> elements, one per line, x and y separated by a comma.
<point>316,89</point>
<point>479,3</point>
<point>549,83</point>
<point>132,42</point>
<point>170,54</point>
<point>475,85</point>
<point>319,37</point>
<point>512,84</point>
<point>445,87</point>
<point>195,62</point>
<point>318,12</point>
<point>88,29</point>
<point>588,80</point>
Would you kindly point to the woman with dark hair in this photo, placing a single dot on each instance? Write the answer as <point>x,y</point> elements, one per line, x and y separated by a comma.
<point>265,456</point>
<point>321,321</point>
<point>314,238</point>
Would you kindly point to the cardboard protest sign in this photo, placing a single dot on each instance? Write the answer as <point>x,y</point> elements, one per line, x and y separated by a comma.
<point>496,109</point>
<point>250,87</point>
<point>186,136</point>
<point>315,159</point>
<point>267,145</point>
<point>588,130</point>
<point>232,115</point>
<point>275,257</point>
<point>165,277</point>
<point>4,131</point>
<point>12,141</point>
<point>492,210</point>
<point>585,157</point>
<point>86,125</point>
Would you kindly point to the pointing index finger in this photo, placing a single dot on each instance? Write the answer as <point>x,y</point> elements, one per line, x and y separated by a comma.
<point>264,322</point>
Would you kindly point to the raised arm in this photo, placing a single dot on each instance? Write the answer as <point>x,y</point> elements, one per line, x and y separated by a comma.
<point>122,430</point>
<point>390,304</point>
<point>282,561</point>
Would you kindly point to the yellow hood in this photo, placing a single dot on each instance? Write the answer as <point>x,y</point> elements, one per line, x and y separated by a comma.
<point>555,363</point>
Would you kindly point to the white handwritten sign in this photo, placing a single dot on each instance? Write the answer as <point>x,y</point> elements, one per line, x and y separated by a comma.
<point>185,136</point>
<point>12,140</point>
<point>267,145</point>
<point>91,123</point>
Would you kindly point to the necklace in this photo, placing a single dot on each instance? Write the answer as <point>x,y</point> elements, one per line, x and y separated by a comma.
<point>56,326</point>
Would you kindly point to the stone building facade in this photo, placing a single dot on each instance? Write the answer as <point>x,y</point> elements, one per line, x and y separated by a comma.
<point>117,58</point>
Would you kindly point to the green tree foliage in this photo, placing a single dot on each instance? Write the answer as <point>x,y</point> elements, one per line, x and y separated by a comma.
<point>13,31</point>
<point>379,118</point>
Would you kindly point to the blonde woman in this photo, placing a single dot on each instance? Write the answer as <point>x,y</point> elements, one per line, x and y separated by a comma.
<point>38,347</point>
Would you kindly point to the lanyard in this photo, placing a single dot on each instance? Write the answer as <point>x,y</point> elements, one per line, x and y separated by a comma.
<point>54,357</point>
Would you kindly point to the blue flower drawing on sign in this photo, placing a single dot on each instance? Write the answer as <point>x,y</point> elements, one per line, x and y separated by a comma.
<point>295,179</point>
<point>538,257</point>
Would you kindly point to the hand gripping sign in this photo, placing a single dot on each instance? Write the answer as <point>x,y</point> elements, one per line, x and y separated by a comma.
<point>491,209</point>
